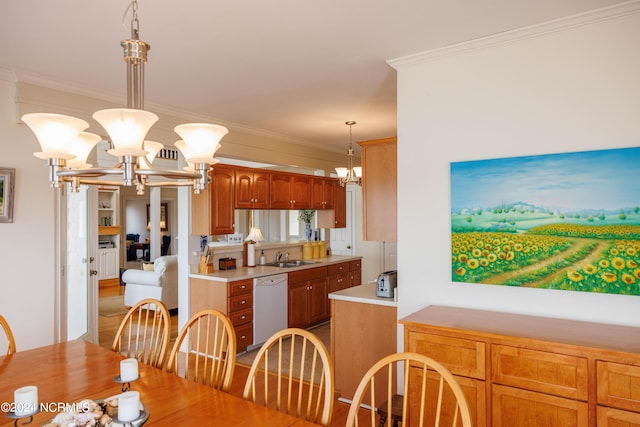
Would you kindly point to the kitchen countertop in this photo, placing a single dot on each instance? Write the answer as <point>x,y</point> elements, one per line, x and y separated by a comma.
<point>363,294</point>
<point>242,273</point>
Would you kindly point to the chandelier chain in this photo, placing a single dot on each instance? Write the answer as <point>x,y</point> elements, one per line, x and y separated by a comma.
<point>135,23</point>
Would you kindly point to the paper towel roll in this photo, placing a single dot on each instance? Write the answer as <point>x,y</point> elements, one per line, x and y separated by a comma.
<point>251,255</point>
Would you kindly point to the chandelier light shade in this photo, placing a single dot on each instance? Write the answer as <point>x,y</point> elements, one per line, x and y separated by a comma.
<point>127,128</point>
<point>351,174</point>
<point>151,149</point>
<point>201,139</point>
<point>55,133</point>
<point>80,148</point>
<point>66,146</point>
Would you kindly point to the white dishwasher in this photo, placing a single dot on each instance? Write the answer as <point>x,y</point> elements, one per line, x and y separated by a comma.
<point>270,301</point>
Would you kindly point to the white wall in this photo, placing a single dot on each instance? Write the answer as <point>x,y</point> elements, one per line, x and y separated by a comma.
<point>27,268</point>
<point>561,91</point>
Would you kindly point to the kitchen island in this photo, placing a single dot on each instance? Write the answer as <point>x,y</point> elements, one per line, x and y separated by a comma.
<point>232,292</point>
<point>363,331</point>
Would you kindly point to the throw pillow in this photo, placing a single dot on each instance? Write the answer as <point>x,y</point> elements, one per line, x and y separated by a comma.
<point>147,266</point>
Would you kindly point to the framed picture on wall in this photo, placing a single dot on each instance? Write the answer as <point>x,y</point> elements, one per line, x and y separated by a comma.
<point>7,176</point>
<point>163,217</point>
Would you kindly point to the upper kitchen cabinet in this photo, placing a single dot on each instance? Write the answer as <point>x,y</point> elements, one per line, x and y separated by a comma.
<point>213,208</point>
<point>290,191</point>
<point>322,190</point>
<point>252,189</point>
<point>379,189</point>
<point>336,217</point>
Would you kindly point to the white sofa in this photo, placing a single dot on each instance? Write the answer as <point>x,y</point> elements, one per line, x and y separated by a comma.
<point>161,283</point>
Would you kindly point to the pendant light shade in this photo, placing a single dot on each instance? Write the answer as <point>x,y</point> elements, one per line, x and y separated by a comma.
<point>127,128</point>
<point>55,133</point>
<point>81,148</point>
<point>201,140</point>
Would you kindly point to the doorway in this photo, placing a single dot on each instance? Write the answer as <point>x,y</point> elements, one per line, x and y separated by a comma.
<point>80,297</point>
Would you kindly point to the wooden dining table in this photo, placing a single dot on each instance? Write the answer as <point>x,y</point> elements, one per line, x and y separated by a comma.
<point>75,370</point>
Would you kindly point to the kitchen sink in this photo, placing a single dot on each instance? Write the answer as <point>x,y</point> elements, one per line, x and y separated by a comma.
<point>290,263</point>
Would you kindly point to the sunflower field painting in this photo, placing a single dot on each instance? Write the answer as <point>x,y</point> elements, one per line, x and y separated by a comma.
<point>558,221</point>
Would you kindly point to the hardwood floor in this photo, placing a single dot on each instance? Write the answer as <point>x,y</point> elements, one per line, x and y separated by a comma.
<point>107,327</point>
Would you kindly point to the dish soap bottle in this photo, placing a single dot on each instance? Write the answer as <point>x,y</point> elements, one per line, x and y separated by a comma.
<point>263,259</point>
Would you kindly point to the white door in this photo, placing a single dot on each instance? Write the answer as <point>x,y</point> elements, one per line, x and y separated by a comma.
<point>342,239</point>
<point>81,280</point>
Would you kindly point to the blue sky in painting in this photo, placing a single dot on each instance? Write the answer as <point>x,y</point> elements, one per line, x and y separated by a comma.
<point>605,179</point>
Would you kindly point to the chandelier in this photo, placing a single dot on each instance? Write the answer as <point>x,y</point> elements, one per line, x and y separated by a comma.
<point>351,174</point>
<point>65,144</point>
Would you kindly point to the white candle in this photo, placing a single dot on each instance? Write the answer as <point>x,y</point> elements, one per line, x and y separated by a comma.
<point>128,406</point>
<point>128,370</point>
<point>26,400</point>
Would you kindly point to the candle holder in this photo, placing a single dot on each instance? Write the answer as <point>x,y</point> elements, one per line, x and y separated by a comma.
<point>17,418</point>
<point>126,385</point>
<point>142,418</point>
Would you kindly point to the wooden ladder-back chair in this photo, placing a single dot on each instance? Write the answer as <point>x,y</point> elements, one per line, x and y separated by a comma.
<point>11,342</point>
<point>293,373</point>
<point>209,355</point>
<point>144,333</point>
<point>431,395</point>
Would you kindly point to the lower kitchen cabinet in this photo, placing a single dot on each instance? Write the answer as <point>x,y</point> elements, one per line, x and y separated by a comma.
<point>535,371</point>
<point>308,297</point>
<point>234,299</point>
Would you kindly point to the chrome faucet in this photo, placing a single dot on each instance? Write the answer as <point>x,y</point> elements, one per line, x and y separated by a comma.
<point>286,257</point>
<point>278,256</point>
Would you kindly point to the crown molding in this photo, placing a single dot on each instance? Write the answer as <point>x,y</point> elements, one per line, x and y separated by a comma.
<point>557,25</point>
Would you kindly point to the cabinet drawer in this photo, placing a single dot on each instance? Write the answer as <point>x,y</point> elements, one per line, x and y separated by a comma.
<point>610,417</point>
<point>244,336</point>
<point>355,265</point>
<point>618,385</point>
<point>240,287</point>
<point>241,317</point>
<point>343,267</point>
<point>552,373</point>
<point>513,407</point>
<point>461,356</point>
<point>309,274</point>
<point>240,302</point>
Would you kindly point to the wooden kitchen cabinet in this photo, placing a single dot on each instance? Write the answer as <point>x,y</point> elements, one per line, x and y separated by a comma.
<point>290,191</point>
<point>536,371</point>
<point>234,299</point>
<point>338,276</point>
<point>355,273</point>
<point>308,297</point>
<point>213,209</point>
<point>251,189</point>
<point>322,193</point>
<point>336,217</point>
<point>344,275</point>
<point>379,189</point>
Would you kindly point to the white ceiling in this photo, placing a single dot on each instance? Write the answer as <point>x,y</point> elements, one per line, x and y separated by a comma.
<point>299,68</point>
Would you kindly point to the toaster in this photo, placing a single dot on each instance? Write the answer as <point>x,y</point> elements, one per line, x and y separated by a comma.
<point>386,284</point>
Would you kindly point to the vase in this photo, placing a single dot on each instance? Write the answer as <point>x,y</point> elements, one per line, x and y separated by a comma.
<point>307,230</point>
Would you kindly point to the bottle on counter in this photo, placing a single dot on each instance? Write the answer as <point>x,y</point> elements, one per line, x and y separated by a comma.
<point>263,259</point>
